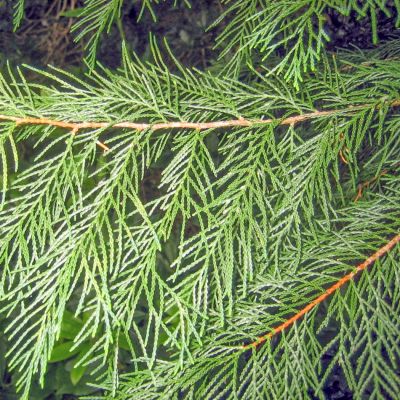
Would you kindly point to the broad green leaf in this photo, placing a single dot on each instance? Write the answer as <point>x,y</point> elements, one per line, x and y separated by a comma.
<point>70,326</point>
<point>79,370</point>
<point>76,12</point>
<point>63,352</point>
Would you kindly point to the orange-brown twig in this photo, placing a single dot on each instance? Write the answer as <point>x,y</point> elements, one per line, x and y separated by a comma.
<point>366,184</point>
<point>183,125</point>
<point>100,144</point>
<point>76,126</point>
<point>290,321</point>
<point>343,158</point>
<point>166,125</point>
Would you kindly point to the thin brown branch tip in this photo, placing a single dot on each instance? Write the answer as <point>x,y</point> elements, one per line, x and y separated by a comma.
<point>332,289</point>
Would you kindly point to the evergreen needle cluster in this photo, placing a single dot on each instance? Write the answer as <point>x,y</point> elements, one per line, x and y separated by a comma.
<point>253,218</point>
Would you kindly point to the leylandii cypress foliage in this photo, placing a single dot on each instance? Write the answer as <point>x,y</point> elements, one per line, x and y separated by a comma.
<point>271,241</point>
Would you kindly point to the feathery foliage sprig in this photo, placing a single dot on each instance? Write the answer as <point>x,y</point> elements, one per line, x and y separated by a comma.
<point>297,27</point>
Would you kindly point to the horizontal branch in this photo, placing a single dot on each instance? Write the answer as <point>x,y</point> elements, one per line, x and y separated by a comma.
<point>290,321</point>
<point>76,126</point>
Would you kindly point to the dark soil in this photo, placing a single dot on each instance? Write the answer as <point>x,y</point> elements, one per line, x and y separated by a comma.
<point>354,31</point>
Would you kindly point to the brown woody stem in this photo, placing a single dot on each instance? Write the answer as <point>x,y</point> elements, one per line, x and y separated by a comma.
<point>290,321</point>
<point>76,126</point>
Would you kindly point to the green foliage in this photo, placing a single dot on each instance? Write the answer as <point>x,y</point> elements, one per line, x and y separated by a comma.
<point>247,226</point>
<point>296,26</point>
<point>97,16</point>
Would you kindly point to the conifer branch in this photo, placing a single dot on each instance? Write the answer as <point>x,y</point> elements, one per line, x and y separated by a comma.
<point>290,321</point>
<point>77,126</point>
<point>186,245</point>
